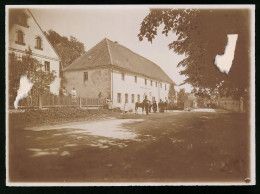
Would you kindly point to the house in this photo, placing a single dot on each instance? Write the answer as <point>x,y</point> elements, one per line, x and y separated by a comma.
<point>113,71</point>
<point>25,33</point>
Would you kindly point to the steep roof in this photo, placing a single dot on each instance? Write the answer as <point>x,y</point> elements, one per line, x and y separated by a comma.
<point>109,53</point>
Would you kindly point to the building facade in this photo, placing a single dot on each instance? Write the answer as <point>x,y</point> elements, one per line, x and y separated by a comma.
<point>25,34</point>
<point>112,71</point>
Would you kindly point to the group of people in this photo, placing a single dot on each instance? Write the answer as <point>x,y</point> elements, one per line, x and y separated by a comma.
<point>147,105</point>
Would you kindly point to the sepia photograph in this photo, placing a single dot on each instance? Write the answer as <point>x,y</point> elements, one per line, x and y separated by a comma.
<point>121,95</point>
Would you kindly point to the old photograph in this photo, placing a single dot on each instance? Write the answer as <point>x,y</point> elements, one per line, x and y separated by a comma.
<point>130,95</point>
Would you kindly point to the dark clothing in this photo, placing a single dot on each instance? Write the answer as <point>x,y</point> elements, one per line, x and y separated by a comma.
<point>161,106</point>
<point>154,107</point>
<point>150,107</point>
<point>146,106</point>
<point>165,106</point>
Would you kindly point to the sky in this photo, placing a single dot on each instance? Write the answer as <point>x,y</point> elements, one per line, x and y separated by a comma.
<point>122,24</point>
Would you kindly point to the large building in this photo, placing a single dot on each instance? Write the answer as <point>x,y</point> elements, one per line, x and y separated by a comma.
<point>25,33</point>
<point>113,71</point>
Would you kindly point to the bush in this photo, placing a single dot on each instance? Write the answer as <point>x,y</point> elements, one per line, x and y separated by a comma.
<point>29,117</point>
<point>175,106</point>
<point>117,109</point>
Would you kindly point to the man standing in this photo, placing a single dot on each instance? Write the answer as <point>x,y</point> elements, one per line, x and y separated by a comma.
<point>154,106</point>
<point>73,95</point>
<point>146,106</point>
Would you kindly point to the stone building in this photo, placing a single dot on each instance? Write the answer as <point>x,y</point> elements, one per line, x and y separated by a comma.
<point>25,33</point>
<point>112,71</point>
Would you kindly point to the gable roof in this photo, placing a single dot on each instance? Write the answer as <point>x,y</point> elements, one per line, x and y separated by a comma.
<point>109,53</point>
<point>44,34</point>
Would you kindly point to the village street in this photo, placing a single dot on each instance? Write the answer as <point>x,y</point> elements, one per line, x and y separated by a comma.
<point>161,147</point>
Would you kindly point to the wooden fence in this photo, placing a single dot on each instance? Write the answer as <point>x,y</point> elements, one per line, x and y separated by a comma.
<point>235,106</point>
<point>48,101</point>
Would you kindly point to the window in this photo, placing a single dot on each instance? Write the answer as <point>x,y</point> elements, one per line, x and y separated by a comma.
<point>126,98</point>
<point>161,85</point>
<point>118,97</point>
<point>47,66</point>
<point>20,37</point>
<point>151,82</point>
<point>122,76</point>
<point>22,19</point>
<point>156,84</point>
<point>133,98</point>
<point>38,44</point>
<point>135,79</point>
<point>138,97</point>
<point>165,86</point>
<point>145,81</point>
<point>85,76</point>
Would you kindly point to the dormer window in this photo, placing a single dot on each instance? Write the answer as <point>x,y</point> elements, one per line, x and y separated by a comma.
<point>38,44</point>
<point>123,76</point>
<point>20,37</point>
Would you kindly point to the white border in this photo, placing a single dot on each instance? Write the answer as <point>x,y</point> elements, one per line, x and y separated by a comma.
<point>252,92</point>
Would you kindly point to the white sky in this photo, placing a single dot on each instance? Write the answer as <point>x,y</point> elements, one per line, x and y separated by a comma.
<point>91,25</point>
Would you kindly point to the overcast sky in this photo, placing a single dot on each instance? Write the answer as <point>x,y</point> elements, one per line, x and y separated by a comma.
<point>91,25</point>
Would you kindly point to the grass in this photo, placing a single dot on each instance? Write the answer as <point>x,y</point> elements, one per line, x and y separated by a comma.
<point>55,115</point>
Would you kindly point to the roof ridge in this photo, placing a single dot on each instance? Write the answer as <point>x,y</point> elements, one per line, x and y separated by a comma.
<point>109,52</point>
<point>83,54</point>
<point>144,59</point>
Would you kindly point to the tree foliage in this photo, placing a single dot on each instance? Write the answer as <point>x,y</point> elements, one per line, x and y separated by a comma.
<point>172,93</point>
<point>69,49</point>
<point>33,69</point>
<point>182,96</point>
<point>201,35</point>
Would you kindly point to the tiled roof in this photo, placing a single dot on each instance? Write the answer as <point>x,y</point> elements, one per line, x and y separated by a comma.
<point>109,53</point>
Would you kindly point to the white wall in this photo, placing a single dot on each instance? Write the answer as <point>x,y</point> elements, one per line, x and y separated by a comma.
<point>98,81</point>
<point>130,87</point>
<point>46,54</point>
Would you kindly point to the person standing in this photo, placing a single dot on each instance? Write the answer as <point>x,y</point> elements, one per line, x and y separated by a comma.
<point>64,91</point>
<point>73,95</point>
<point>149,106</point>
<point>160,105</point>
<point>154,106</point>
<point>125,108</point>
<point>146,106</point>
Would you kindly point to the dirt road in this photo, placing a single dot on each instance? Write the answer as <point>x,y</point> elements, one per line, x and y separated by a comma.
<point>162,147</point>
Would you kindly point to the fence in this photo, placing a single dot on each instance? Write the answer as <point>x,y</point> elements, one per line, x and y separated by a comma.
<point>235,106</point>
<point>59,101</point>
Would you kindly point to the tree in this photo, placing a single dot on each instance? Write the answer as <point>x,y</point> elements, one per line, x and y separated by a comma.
<point>172,93</point>
<point>33,69</point>
<point>68,49</point>
<point>201,35</point>
<point>182,96</point>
